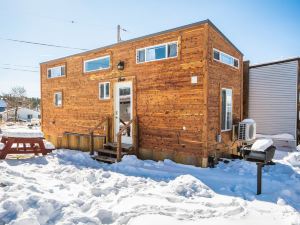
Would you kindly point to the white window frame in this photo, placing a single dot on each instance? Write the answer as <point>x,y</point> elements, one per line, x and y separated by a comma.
<point>58,92</point>
<point>226,110</point>
<point>95,59</point>
<point>105,97</point>
<point>219,60</point>
<point>153,46</point>
<point>55,68</point>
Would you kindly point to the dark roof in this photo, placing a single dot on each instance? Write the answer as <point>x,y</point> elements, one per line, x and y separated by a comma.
<point>275,62</point>
<point>3,104</point>
<point>151,35</point>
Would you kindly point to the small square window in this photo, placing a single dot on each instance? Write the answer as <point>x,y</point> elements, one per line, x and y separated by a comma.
<point>58,71</point>
<point>58,99</point>
<point>104,92</point>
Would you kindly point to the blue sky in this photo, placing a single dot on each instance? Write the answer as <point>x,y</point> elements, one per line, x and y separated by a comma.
<point>263,30</point>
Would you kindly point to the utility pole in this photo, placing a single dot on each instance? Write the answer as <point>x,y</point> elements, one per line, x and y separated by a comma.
<point>119,33</point>
<point>119,28</point>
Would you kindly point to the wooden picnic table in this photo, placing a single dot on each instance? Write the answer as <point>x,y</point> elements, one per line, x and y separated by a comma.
<point>23,144</point>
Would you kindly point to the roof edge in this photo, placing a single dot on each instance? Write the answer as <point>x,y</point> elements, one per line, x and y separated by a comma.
<point>275,62</point>
<point>207,21</point>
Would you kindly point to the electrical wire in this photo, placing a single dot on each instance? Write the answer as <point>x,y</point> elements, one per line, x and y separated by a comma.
<point>7,64</point>
<point>43,44</point>
<point>23,70</point>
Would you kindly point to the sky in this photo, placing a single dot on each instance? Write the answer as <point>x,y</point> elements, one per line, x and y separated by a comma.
<point>264,30</point>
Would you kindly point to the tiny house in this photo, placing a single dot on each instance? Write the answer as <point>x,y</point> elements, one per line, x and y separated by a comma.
<point>173,94</point>
<point>271,98</point>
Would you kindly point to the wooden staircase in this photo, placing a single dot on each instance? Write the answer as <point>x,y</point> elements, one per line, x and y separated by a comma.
<point>109,152</point>
<point>114,151</point>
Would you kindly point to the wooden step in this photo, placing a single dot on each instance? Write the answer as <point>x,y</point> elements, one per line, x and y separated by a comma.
<point>113,145</point>
<point>109,151</point>
<point>104,159</point>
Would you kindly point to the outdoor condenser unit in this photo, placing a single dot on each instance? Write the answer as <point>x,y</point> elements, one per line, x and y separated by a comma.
<point>247,130</point>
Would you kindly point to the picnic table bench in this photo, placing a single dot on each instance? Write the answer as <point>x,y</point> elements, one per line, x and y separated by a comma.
<point>23,142</point>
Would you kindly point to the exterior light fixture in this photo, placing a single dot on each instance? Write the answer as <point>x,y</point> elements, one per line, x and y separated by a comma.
<point>121,65</point>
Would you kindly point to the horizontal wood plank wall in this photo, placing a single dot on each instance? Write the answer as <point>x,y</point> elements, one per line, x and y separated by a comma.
<point>172,111</point>
<point>222,76</point>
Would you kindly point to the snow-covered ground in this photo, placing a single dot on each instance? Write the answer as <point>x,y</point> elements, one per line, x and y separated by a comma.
<point>67,187</point>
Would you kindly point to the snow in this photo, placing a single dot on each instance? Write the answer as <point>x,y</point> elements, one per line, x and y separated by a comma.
<point>48,145</point>
<point>2,145</point>
<point>67,187</point>
<point>286,137</point>
<point>248,121</point>
<point>22,132</point>
<point>261,145</point>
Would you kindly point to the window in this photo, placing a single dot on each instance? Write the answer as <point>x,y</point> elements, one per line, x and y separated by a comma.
<point>101,63</point>
<point>29,116</point>
<point>104,90</point>
<point>57,71</point>
<point>225,58</point>
<point>158,52</point>
<point>58,99</point>
<point>226,123</point>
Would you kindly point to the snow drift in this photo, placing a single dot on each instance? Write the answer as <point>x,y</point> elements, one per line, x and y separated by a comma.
<point>67,187</point>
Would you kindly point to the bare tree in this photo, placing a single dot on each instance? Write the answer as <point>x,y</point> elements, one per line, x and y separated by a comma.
<point>16,98</point>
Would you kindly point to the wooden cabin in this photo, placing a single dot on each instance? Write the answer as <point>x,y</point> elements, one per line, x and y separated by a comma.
<point>172,95</point>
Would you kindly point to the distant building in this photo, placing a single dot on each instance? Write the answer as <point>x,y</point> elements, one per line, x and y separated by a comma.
<point>23,114</point>
<point>3,105</point>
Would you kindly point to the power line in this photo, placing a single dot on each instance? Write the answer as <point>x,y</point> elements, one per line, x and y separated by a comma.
<point>24,70</point>
<point>43,44</point>
<point>7,64</point>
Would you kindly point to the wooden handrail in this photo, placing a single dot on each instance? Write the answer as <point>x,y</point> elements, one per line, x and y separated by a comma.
<point>92,130</point>
<point>104,119</point>
<point>119,139</point>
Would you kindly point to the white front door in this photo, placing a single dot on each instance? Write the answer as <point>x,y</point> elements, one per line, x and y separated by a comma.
<point>123,110</point>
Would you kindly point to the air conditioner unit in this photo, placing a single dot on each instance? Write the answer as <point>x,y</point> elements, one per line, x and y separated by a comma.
<point>247,130</point>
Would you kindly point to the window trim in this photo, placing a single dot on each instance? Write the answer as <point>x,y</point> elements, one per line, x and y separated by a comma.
<point>94,59</point>
<point>53,68</point>
<point>221,52</point>
<point>99,90</point>
<point>225,130</point>
<point>55,93</point>
<point>153,46</point>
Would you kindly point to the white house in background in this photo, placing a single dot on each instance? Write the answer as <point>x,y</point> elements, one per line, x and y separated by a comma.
<point>23,114</point>
<point>3,105</point>
<point>273,99</point>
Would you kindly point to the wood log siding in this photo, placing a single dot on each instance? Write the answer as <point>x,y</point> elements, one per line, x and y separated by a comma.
<point>163,97</point>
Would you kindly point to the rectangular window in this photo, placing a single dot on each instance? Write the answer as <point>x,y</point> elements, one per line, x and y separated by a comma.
<point>226,123</point>
<point>158,52</point>
<point>104,92</point>
<point>29,116</point>
<point>101,63</point>
<point>225,58</point>
<point>58,99</point>
<point>57,71</point>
